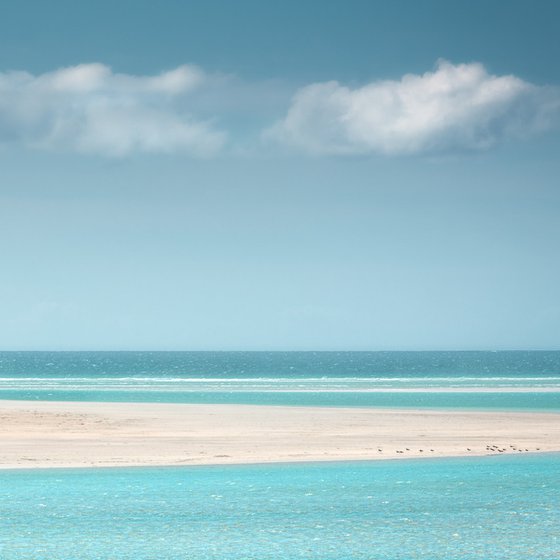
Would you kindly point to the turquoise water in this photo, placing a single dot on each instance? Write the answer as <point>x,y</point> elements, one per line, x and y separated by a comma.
<point>489,508</point>
<point>479,401</point>
<point>484,380</point>
<point>284,365</point>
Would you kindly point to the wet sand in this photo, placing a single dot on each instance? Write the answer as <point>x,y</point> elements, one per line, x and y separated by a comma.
<point>82,434</point>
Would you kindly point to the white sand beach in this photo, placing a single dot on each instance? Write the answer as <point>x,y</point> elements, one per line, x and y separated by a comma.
<point>87,434</point>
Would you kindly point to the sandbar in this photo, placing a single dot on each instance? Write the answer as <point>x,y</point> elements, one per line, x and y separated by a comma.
<point>92,434</point>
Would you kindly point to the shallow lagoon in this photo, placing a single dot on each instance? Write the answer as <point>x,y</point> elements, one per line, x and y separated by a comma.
<point>490,508</point>
<point>530,401</point>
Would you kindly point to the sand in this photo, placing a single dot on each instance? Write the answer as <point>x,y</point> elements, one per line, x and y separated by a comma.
<point>72,434</point>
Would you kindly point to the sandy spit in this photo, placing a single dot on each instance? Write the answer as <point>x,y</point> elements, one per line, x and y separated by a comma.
<point>87,434</point>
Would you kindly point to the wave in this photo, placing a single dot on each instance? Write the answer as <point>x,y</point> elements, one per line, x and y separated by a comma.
<point>278,384</point>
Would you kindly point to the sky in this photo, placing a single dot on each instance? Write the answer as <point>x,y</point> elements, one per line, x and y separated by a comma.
<point>296,175</point>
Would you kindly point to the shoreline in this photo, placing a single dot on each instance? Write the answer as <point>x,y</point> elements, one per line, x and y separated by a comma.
<point>51,434</point>
<point>131,388</point>
<point>311,462</point>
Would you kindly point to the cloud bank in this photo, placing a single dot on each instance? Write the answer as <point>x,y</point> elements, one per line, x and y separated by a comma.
<point>454,108</point>
<point>89,109</point>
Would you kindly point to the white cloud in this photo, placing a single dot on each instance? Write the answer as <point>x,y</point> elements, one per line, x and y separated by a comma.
<point>456,107</point>
<point>90,109</point>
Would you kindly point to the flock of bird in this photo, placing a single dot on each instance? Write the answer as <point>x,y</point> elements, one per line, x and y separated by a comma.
<point>498,449</point>
<point>489,449</point>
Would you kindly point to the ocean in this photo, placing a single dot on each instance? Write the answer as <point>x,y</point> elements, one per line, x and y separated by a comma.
<point>489,508</point>
<point>492,508</point>
<point>480,380</point>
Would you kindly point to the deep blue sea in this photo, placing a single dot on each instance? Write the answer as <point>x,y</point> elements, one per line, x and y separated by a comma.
<point>484,380</point>
<point>492,508</point>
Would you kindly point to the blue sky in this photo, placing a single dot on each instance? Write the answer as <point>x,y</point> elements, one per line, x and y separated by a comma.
<point>265,175</point>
